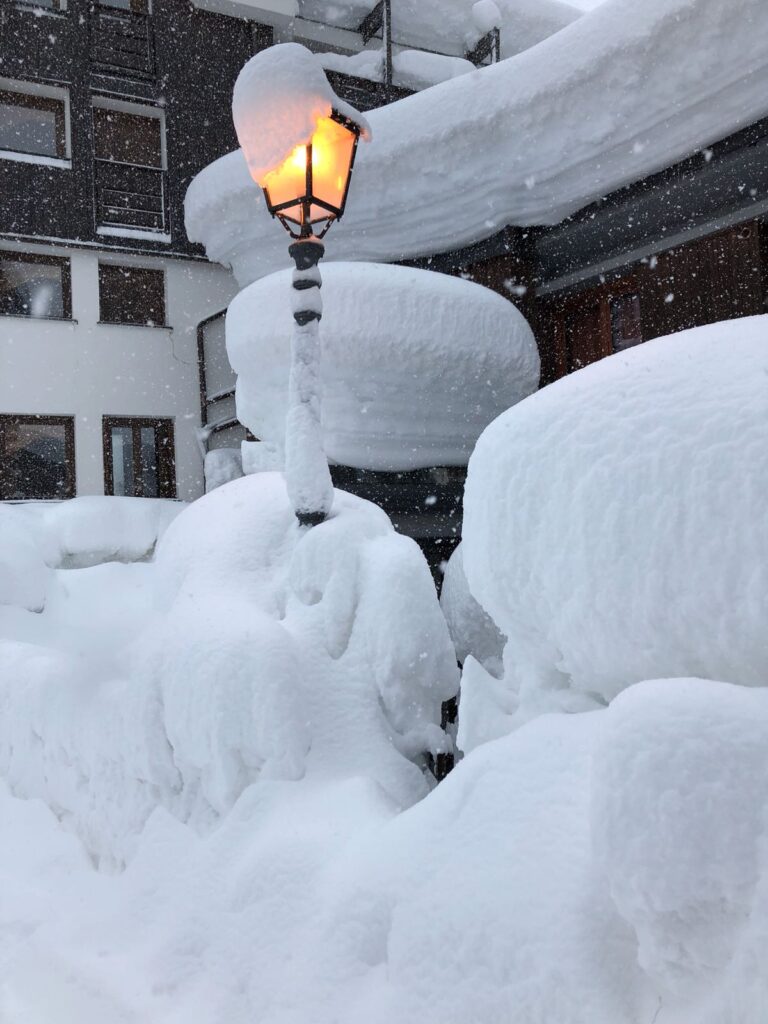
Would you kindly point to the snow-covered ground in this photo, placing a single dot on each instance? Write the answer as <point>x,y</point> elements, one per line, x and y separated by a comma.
<point>624,91</point>
<point>214,803</point>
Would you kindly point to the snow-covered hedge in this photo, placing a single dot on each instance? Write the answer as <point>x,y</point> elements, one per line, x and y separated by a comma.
<point>415,363</point>
<point>615,524</point>
<point>252,650</point>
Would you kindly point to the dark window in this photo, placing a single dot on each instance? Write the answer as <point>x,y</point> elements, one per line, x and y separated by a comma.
<point>626,329</point>
<point>134,6</point>
<point>31,124</point>
<point>49,5</point>
<point>130,174</point>
<point>131,295</point>
<point>127,138</point>
<point>37,457</point>
<point>139,458</point>
<point>35,286</point>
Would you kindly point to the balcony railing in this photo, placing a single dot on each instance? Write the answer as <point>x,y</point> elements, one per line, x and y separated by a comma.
<point>121,42</point>
<point>131,197</point>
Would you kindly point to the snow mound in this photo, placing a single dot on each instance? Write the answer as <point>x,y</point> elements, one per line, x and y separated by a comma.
<point>680,775</point>
<point>273,653</point>
<point>24,573</point>
<point>279,96</point>
<point>415,364</point>
<point>617,859</point>
<point>615,523</point>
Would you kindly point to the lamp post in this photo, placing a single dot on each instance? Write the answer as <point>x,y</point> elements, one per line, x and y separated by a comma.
<point>304,170</point>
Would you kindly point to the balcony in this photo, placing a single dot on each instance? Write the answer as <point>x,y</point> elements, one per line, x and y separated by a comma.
<point>133,197</point>
<point>122,43</point>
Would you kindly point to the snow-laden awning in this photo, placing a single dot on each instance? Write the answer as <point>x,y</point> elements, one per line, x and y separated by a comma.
<point>619,94</point>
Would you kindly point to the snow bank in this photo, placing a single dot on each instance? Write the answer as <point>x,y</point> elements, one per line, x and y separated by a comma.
<point>679,817</point>
<point>270,654</point>
<point>415,364</point>
<point>615,523</point>
<point>611,98</point>
<point>617,860</point>
<point>24,572</point>
<point>279,96</point>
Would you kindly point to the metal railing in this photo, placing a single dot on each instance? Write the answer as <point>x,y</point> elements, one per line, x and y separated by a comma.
<point>131,197</point>
<point>122,42</point>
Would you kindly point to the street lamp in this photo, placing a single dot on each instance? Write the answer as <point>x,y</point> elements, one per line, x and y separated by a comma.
<point>299,141</point>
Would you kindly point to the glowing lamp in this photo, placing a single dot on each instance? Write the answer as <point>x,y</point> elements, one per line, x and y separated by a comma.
<point>310,187</point>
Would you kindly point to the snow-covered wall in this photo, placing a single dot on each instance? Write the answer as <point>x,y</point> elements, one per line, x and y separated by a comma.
<point>87,369</point>
<point>415,364</point>
<point>624,91</point>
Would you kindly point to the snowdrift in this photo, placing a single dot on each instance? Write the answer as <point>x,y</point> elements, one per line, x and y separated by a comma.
<point>624,91</point>
<point>604,868</point>
<point>415,364</point>
<point>615,525</point>
<point>247,650</point>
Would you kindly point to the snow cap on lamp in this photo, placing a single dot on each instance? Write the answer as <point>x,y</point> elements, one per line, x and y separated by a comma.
<point>278,99</point>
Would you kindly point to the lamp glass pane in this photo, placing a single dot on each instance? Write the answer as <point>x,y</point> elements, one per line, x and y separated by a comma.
<point>287,182</point>
<point>332,148</point>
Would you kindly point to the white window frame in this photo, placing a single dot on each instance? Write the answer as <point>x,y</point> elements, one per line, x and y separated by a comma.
<point>49,92</point>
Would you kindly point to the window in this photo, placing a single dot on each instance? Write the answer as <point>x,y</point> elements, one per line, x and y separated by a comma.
<point>49,5</point>
<point>33,122</point>
<point>36,286</point>
<point>131,295</point>
<point>37,457</point>
<point>139,457</point>
<point>129,144</point>
<point>128,138</point>
<point>626,329</point>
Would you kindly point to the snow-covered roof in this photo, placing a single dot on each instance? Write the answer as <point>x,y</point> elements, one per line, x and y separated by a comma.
<point>448,25</point>
<point>444,26</point>
<point>621,93</point>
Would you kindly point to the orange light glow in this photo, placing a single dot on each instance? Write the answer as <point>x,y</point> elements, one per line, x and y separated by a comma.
<point>332,149</point>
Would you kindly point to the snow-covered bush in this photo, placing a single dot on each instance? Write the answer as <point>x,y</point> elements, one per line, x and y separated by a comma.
<point>273,653</point>
<point>415,363</point>
<point>615,524</point>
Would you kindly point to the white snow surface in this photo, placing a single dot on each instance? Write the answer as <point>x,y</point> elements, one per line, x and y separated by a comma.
<point>411,69</point>
<point>444,25</point>
<point>573,872</point>
<point>246,650</point>
<point>279,96</point>
<point>615,523</point>
<point>627,89</point>
<point>414,364</point>
<point>472,629</point>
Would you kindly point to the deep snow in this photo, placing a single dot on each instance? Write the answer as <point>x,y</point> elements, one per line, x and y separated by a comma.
<point>247,649</point>
<point>414,364</point>
<point>615,526</point>
<point>567,874</point>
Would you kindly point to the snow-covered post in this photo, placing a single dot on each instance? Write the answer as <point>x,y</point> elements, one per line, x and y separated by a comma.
<point>299,141</point>
<point>307,476</point>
